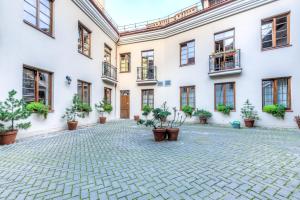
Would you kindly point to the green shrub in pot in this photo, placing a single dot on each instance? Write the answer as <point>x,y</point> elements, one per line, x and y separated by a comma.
<point>275,110</point>
<point>38,108</point>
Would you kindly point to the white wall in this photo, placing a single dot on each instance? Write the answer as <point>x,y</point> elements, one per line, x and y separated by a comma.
<point>256,65</point>
<point>21,44</point>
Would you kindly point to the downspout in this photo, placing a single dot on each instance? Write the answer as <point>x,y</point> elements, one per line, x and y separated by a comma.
<point>116,61</point>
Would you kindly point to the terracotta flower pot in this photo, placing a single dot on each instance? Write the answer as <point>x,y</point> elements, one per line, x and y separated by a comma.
<point>136,118</point>
<point>159,134</point>
<point>203,120</point>
<point>298,122</point>
<point>249,123</point>
<point>8,137</point>
<point>102,120</point>
<point>173,134</point>
<point>72,125</point>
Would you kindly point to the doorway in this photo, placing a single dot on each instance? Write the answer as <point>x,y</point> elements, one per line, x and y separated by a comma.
<point>125,104</point>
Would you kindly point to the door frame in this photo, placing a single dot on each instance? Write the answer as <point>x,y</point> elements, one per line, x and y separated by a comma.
<point>121,94</point>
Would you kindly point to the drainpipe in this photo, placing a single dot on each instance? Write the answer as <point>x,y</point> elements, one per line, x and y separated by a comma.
<point>116,59</point>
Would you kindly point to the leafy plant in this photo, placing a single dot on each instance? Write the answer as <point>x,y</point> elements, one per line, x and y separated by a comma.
<point>225,109</point>
<point>248,111</point>
<point>104,107</point>
<point>75,110</point>
<point>202,114</point>
<point>11,111</point>
<point>85,107</point>
<point>188,110</point>
<point>276,110</point>
<point>178,119</point>
<point>146,110</point>
<point>39,108</point>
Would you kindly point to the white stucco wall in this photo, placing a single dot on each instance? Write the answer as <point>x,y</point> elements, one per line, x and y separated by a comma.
<point>21,44</point>
<point>256,65</point>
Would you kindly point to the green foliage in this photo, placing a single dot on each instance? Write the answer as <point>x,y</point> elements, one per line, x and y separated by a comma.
<point>84,107</point>
<point>146,110</point>
<point>11,111</point>
<point>204,114</point>
<point>75,110</point>
<point>39,108</point>
<point>188,110</point>
<point>104,107</point>
<point>248,111</point>
<point>224,109</point>
<point>178,119</point>
<point>277,111</point>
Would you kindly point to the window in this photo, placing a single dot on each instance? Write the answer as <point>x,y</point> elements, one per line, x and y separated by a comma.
<point>187,53</point>
<point>37,86</point>
<point>39,13</point>
<point>187,96</point>
<point>225,94</point>
<point>125,62</point>
<point>84,40</point>
<point>224,41</point>
<point>148,98</point>
<point>107,95</point>
<point>275,31</point>
<point>107,54</point>
<point>148,58</point>
<point>84,91</point>
<point>277,91</point>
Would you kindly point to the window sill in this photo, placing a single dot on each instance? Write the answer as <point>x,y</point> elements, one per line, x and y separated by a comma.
<point>274,48</point>
<point>36,28</point>
<point>187,65</point>
<point>85,55</point>
<point>124,72</point>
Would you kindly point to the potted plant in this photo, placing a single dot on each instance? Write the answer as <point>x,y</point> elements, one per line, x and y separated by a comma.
<point>203,115</point>
<point>188,110</point>
<point>11,111</point>
<point>146,111</point>
<point>225,109</point>
<point>249,114</point>
<point>74,111</point>
<point>103,107</point>
<point>173,126</point>
<point>38,108</point>
<point>276,110</point>
<point>297,118</point>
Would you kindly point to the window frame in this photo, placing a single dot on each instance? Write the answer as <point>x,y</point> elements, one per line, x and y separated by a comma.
<point>275,91</point>
<point>83,28</point>
<point>36,84</point>
<point>105,95</point>
<point>82,91</point>
<point>224,95</point>
<point>107,47</point>
<point>274,38</point>
<point>144,51</point>
<point>143,90</point>
<point>186,44</point>
<point>37,18</point>
<point>187,95</point>
<point>129,62</point>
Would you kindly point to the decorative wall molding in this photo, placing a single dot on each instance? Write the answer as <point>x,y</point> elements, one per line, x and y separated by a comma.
<point>219,13</point>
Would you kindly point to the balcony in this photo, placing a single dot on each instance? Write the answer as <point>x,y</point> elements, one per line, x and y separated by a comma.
<point>225,63</point>
<point>146,75</point>
<point>109,73</point>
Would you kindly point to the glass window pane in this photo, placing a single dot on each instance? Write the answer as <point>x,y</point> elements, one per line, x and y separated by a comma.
<point>268,93</point>
<point>79,90</point>
<point>28,85</point>
<point>219,94</point>
<point>230,95</point>
<point>282,93</point>
<point>44,79</point>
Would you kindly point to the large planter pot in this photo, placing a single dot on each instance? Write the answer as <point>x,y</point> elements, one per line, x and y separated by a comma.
<point>8,137</point>
<point>136,118</point>
<point>102,120</point>
<point>173,134</point>
<point>249,123</point>
<point>203,120</point>
<point>72,125</point>
<point>298,122</point>
<point>159,134</point>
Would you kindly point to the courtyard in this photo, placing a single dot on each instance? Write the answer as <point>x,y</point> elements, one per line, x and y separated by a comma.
<point>120,160</point>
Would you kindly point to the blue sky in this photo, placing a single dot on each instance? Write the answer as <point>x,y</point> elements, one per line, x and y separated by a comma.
<point>131,11</point>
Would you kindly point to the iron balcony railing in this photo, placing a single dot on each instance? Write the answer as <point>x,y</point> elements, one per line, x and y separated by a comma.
<point>223,61</point>
<point>109,71</point>
<point>146,73</point>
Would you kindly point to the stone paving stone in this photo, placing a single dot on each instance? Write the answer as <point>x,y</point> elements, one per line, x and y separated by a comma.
<point>120,160</point>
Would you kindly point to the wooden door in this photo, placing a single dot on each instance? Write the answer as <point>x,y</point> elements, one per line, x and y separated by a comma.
<point>125,104</point>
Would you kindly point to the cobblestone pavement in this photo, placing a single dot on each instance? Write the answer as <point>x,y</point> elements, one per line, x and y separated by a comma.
<point>121,161</point>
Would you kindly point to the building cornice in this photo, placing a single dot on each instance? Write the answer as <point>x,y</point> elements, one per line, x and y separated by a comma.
<point>98,18</point>
<point>219,13</point>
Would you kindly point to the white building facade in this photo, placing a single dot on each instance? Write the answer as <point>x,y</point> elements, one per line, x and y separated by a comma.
<point>225,53</point>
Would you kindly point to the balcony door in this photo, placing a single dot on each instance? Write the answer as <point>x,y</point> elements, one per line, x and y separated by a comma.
<point>148,65</point>
<point>125,104</point>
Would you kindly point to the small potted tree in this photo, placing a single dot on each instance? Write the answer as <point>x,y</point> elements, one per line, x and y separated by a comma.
<point>203,115</point>
<point>11,111</point>
<point>297,118</point>
<point>74,111</point>
<point>38,108</point>
<point>249,114</point>
<point>188,110</point>
<point>173,126</point>
<point>276,110</point>
<point>103,107</point>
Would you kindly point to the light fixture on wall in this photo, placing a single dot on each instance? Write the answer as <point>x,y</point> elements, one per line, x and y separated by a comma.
<point>69,80</point>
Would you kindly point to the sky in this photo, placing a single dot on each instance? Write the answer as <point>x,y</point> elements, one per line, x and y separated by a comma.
<point>132,11</point>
